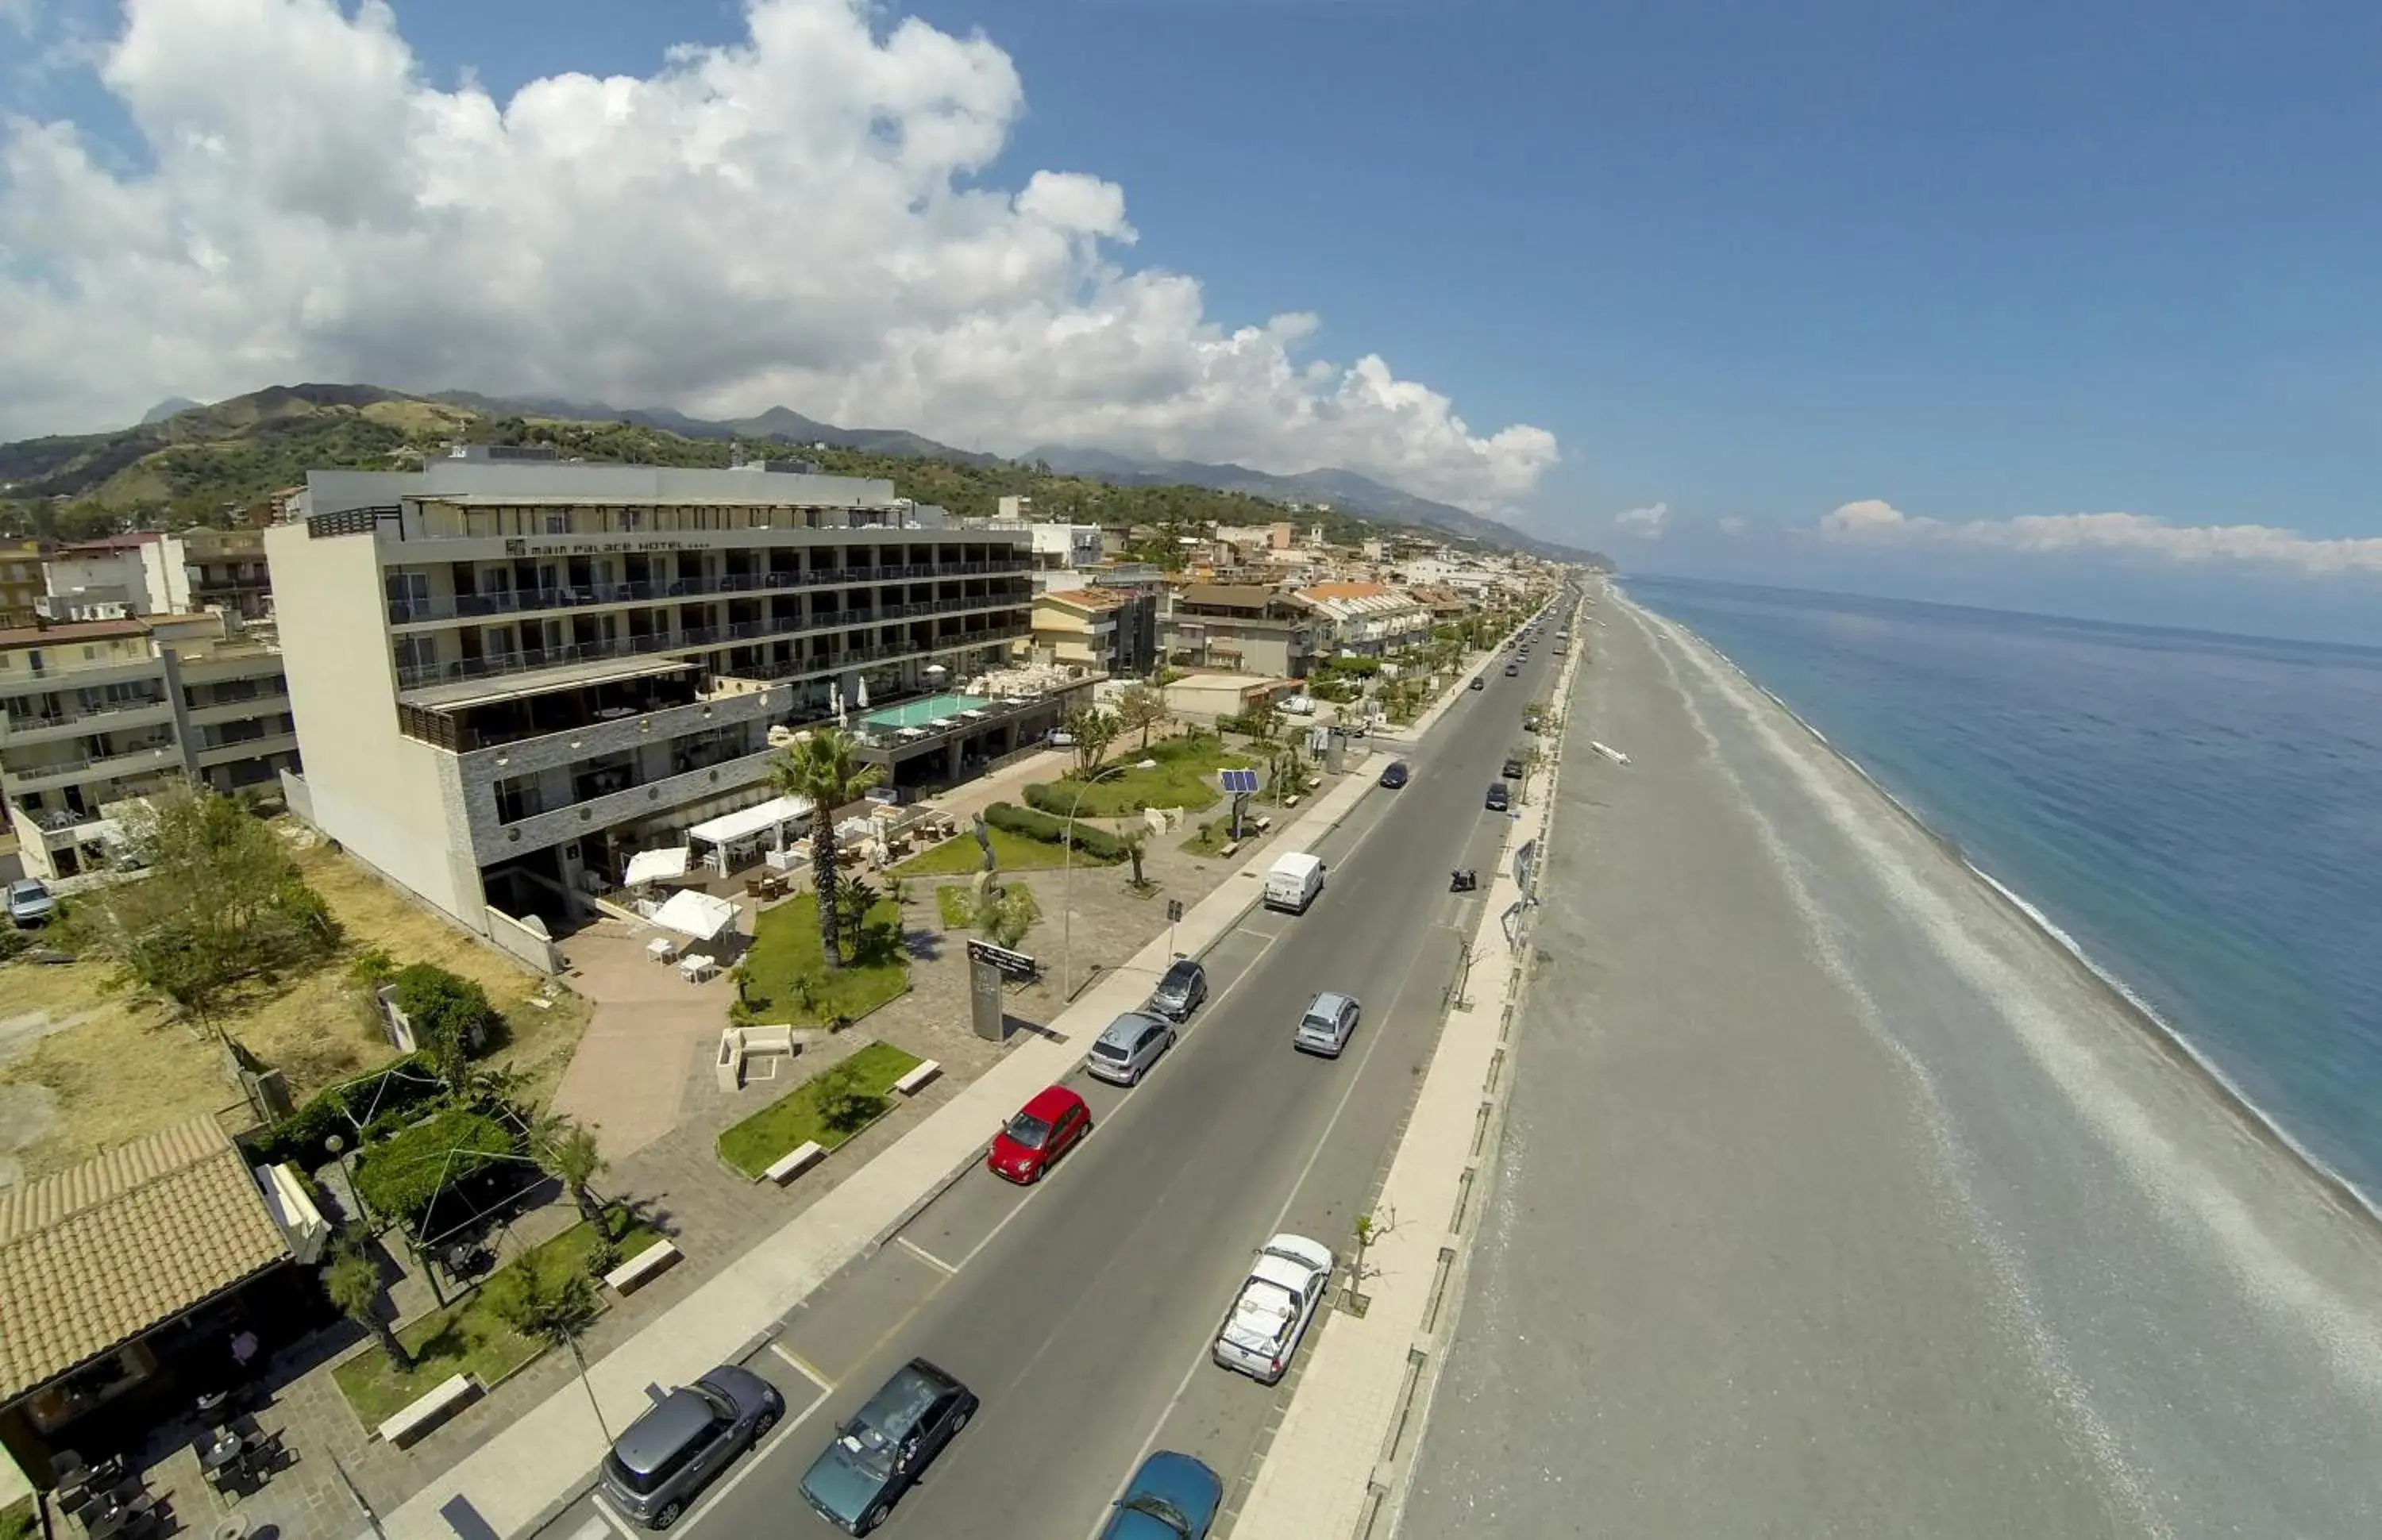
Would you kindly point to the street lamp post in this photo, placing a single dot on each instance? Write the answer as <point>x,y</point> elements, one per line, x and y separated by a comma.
<point>1067,884</point>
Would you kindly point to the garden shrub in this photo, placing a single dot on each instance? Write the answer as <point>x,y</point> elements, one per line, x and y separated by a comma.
<point>1093,844</point>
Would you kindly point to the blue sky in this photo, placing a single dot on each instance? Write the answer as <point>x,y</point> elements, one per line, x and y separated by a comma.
<point>1743,261</point>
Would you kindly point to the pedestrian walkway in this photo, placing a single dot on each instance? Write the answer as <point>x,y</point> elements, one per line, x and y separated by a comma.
<point>523,1472</point>
<point>1335,1466</point>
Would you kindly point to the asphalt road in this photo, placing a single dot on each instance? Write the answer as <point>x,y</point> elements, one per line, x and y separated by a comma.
<point>1081,1310</point>
<point>1835,1199</point>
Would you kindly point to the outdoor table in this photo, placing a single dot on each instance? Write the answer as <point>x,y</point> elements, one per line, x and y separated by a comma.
<point>694,970</point>
<point>661,948</point>
<point>219,1457</point>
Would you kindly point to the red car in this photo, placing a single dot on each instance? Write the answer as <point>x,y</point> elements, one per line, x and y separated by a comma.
<point>1043,1129</point>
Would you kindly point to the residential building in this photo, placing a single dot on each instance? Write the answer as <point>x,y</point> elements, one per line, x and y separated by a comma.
<point>22,581</point>
<point>1244,628</point>
<point>1016,509</point>
<point>94,715</point>
<point>225,570</point>
<point>1209,696</point>
<point>1101,630</point>
<point>511,677</point>
<point>114,577</point>
<point>1368,619</point>
<point>129,1277</point>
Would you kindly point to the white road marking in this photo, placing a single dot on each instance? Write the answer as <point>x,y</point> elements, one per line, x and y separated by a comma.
<point>756,1455</point>
<point>593,1529</point>
<point>620,1526</point>
<point>929,1258</point>
<point>801,1367</point>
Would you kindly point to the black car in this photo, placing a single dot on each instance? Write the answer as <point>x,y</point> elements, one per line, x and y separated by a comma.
<point>1396,775</point>
<point>1512,669</point>
<point>1512,770</point>
<point>880,1453</point>
<point>1480,683</point>
<point>1181,991</point>
<point>671,1453</point>
<point>1498,800</point>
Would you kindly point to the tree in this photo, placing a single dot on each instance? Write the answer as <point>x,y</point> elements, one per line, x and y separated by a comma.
<point>1140,708</point>
<point>1093,730</point>
<point>556,1312</point>
<point>569,1149</point>
<point>353,1284</point>
<point>1137,846</point>
<point>823,769</point>
<point>1003,915</point>
<point>223,904</point>
<point>450,1017</point>
<point>855,897</point>
<point>1263,719</point>
<point>400,1175</point>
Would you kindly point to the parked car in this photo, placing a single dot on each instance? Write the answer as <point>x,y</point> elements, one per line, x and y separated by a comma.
<point>1270,1314</point>
<point>879,1454</point>
<point>1181,991</point>
<point>1330,1020</point>
<point>1395,775</point>
<point>1479,683</point>
<point>1172,1496</point>
<point>30,903</point>
<point>671,1453</point>
<point>1512,769</point>
<point>1499,799</point>
<point>1043,1129</point>
<point>1130,1046</point>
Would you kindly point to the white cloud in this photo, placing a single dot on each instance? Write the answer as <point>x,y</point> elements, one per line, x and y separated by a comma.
<point>1646,523</point>
<point>1732,524</point>
<point>798,218</point>
<point>2136,535</point>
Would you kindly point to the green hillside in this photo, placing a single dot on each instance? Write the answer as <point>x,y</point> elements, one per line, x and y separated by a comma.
<point>204,466</point>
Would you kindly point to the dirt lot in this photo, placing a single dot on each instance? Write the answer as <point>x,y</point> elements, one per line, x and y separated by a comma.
<point>83,1068</point>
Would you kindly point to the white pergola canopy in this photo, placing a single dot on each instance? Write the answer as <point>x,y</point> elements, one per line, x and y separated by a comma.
<point>692,911</point>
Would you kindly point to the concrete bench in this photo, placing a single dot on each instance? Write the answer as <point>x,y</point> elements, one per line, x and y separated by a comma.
<point>419,1417</point>
<point>631,1274</point>
<point>915,1081</point>
<point>1230,847</point>
<point>795,1162</point>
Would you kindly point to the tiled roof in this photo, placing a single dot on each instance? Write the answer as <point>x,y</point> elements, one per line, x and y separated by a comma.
<point>1348,591</point>
<point>1087,599</point>
<point>94,1256</point>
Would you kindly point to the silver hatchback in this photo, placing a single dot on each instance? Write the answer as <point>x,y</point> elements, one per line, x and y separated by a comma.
<point>1130,1046</point>
<point>1330,1022</point>
<point>671,1454</point>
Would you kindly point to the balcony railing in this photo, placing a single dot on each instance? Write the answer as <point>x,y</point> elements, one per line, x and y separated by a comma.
<point>525,659</point>
<point>519,601</point>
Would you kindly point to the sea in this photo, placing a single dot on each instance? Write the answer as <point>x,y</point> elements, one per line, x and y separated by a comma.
<point>2198,815</point>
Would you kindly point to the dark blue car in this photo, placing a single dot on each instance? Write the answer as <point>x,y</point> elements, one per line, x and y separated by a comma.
<point>1172,1496</point>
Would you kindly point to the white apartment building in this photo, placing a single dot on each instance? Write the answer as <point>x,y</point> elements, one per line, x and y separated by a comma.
<point>1368,619</point>
<point>98,713</point>
<point>510,678</point>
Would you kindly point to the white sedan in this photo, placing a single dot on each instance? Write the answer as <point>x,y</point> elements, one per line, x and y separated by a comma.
<point>1270,1314</point>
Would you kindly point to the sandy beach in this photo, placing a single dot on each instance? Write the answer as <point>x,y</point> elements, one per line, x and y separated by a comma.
<point>1838,1198</point>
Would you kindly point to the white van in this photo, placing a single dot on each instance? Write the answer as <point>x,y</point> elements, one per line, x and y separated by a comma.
<point>1294,882</point>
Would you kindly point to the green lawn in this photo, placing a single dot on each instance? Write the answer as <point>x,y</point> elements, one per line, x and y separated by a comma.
<point>1185,777</point>
<point>1209,838</point>
<point>956,900</point>
<point>470,1337</point>
<point>827,1109</point>
<point>786,949</point>
<point>958,857</point>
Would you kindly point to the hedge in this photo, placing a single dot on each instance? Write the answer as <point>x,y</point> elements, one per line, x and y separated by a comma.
<point>402,1173</point>
<point>378,1096</point>
<point>1092,843</point>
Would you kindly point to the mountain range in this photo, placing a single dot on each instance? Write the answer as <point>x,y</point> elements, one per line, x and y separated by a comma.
<point>242,447</point>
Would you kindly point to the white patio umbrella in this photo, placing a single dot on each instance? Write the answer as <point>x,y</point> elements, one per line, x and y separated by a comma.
<point>692,911</point>
<point>862,686</point>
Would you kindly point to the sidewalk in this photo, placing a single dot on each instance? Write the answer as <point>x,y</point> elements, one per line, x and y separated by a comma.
<point>549,1456</point>
<point>1336,1466</point>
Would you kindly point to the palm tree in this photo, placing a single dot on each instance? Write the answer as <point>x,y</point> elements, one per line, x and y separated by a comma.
<point>556,1312</point>
<point>569,1149</point>
<point>353,1283</point>
<point>823,769</point>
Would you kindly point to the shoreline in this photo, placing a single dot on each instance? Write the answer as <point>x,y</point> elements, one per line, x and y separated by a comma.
<point>2354,1201</point>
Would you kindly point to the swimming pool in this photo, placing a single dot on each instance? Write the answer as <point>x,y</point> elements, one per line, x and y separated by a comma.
<point>917,713</point>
